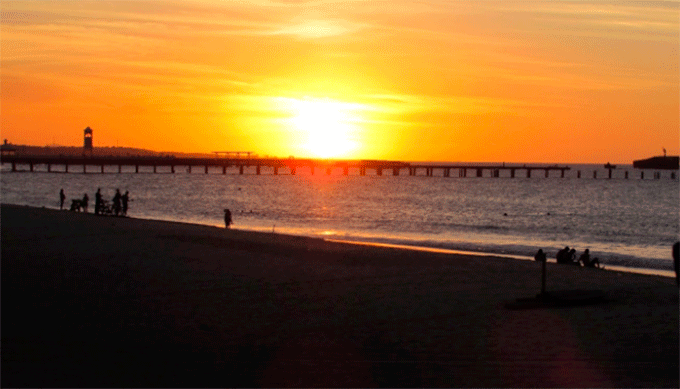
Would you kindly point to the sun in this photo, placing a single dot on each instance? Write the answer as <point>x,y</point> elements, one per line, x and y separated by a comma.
<point>328,128</point>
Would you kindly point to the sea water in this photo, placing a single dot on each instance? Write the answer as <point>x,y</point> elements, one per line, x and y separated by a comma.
<point>630,222</point>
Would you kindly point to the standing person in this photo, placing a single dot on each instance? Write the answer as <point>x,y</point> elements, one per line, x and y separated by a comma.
<point>227,218</point>
<point>124,199</point>
<point>84,202</point>
<point>116,202</point>
<point>62,197</point>
<point>98,201</point>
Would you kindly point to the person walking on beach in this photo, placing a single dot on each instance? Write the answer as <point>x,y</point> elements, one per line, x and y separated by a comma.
<point>98,201</point>
<point>84,202</point>
<point>62,197</point>
<point>227,218</point>
<point>124,200</point>
<point>116,202</point>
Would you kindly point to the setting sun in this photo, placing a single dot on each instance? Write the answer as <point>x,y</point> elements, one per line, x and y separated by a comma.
<point>327,128</point>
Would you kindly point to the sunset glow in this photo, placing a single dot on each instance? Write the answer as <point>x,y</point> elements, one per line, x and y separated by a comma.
<point>327,128</point>
<point>544,81</point>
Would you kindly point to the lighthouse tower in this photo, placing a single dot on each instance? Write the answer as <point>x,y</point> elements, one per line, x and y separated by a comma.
<point>87,142</point>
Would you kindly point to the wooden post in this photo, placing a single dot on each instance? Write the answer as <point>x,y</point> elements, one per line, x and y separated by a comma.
<point>120,168</point>
<point>14,169</point>
<point>172,168</point>
<point>240,170</point>
<point>206,169</point>
<point>154,169</point>
<point>578,174</point>
<point>547,173</point>
<point>257,170</point>
<point>512,173</point>
<point>626,175</point>
<point>84,168</point>
<point>276,170</point>
<point>562,176</point>
<point>543,277</point>
<point>31,166</point>
<point>594,173</point>
<point>378,171</point>
<point>479,173</point>
<point>49,168</point>
<point>362,171</point>
<point>642,175</point>
<point>528,173</point>
<point>610,174</point>
<point>137,169</point>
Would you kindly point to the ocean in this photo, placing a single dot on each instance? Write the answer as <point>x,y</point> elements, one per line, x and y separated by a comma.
<point>625,222</point>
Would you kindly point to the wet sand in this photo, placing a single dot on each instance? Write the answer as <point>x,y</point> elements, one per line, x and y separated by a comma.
<point>93,301</point>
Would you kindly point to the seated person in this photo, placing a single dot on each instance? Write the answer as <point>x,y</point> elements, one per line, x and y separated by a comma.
<point>587,262</point>
<point>562,255</point>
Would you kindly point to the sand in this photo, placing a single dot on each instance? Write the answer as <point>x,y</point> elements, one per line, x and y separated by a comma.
<point>92,301</point>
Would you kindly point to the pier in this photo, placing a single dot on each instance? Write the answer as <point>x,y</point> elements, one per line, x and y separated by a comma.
<point>247,164</point>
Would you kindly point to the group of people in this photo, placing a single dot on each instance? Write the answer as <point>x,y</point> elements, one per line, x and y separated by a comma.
<point>119,202</point>
<point>568,256</point>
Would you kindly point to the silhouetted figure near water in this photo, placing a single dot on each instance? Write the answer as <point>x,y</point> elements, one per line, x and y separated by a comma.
<point>587,262</point>
<point>562,255</point>
<point>62,197</point>
<point>540,256</point>
<point>116,202</point>
<point>124,199</point>
<point>98,201</point>
<point>227,218</point>
<point>84,202</point>
<point>676,261</point>
<point>571,257</point>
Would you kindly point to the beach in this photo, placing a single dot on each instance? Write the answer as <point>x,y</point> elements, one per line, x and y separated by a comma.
<point>121,302</point>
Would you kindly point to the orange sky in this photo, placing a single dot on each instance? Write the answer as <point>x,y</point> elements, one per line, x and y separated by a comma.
<point>526,81</point>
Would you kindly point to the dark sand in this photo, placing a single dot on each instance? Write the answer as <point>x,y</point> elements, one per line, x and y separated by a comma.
<point>119,302</point>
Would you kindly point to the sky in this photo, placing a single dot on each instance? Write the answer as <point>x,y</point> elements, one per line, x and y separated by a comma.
<point>483,81</point>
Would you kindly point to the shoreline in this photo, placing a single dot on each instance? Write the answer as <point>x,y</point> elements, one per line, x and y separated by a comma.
<point>403,246</point>
<point>124,302</point>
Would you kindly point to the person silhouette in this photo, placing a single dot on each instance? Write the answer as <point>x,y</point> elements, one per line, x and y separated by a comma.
<point>62,197</point>
<point>98,201</point>
<point>227,218</point>
<point>84,202</point>
<point>116,202</point>
<point>540,256</point>
<point>562,255</point>
<point>124,200</point>
<point>587,262</point>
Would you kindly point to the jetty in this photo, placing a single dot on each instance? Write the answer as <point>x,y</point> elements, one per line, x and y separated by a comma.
<point>248,164</point>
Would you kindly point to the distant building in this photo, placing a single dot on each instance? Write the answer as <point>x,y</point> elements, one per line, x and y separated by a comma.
<point>87,142</point>
<point>8,149</point>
